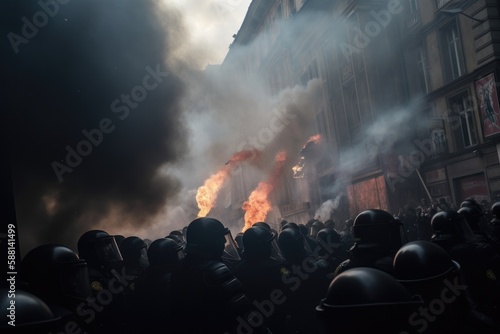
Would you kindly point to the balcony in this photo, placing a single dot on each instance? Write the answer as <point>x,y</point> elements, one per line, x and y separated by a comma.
<point>413,20</point>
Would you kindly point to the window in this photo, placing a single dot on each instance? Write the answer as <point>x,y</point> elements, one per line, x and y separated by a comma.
<point>452,52</point>
<point>310,73</point>
<point>423,74</point>
<point>463,120</point>
<point>319,120</point>
<point>414,15</point>
<point>352,113</point>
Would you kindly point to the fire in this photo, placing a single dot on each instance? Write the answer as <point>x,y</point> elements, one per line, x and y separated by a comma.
<point>298,172</point>
<point>207,193</point>
<point>258,204</point>
<point>316,139</point>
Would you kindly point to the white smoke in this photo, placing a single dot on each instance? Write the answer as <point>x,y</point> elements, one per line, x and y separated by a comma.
<point>326,209</point>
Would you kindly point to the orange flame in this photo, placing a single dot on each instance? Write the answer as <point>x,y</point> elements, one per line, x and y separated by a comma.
<point>316,139</point>
<point>258,205</point>
<point>206,195</point>
<point>298,168</point>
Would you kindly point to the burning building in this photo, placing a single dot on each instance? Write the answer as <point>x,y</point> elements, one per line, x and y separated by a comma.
<point>407,88</point>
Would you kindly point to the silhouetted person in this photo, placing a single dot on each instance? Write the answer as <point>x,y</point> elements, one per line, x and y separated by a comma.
<point>135,255</point>
<point>307,279</point>
<point>261,275</point>
<point>55,274</point>
<point>332,249</point>
<point>30,314</point>
<point>150,300</point>
<point>206,296</point>
<point>378,238</point>
<point>494,226</point>
<point>367,300</point>
<point>479,262</point>
<point>427,270</point>
<point>104,260</point>
<point>346,235</point>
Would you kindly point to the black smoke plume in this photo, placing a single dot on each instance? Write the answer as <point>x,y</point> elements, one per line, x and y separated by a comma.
<point>61,80</point>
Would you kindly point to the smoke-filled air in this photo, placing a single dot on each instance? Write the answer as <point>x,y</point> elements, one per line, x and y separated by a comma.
<point>118,122</point>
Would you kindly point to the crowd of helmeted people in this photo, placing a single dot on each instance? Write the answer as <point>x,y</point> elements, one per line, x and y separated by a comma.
<point>306,278</point>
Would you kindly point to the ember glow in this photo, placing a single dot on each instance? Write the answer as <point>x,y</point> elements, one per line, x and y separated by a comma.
<point>298,168</point>
<point>258,204</point>
<point>207,193</point>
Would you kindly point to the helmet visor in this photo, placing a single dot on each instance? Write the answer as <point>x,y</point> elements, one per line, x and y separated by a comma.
<point>107,250</point>
<point>306,246</point>
<point>75,280</point>
<point>143,258</point>
<point>463,228</point>
<point>275,251</point>
<point>180,254</point>
<point>230,249</point>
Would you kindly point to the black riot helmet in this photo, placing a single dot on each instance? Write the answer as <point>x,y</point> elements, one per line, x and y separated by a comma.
<point>495,213</point>
<point>426,269</point>
<point>377,228</point>
<point>329,239</point>
<point>423,261</point>
<point>275,249</point>
<point>293,245</point>
<point>329,224</point>
<point>165,252</point>
<point>348,224</point>
<point>177,239</point>
<point>257,243</point>
<point>471,203</point>
<point>303,229</point>
<point>56,274</point>
<point>30,314</point>
<point>329,236</point>
<point>206,237</point>
<point>135,255</point>
<point>494,225</point>
<point>263,224</point>
<point>358,301</point>
<point>450,224</point>
<point>99,250</point>
<point>315,228</point>
<point>290,225</point>
<point>472,216</point>
<point>180,235</point>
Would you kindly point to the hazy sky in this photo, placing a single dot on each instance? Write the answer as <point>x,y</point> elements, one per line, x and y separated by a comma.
<point>212,23</point>
<point>65,74</point>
